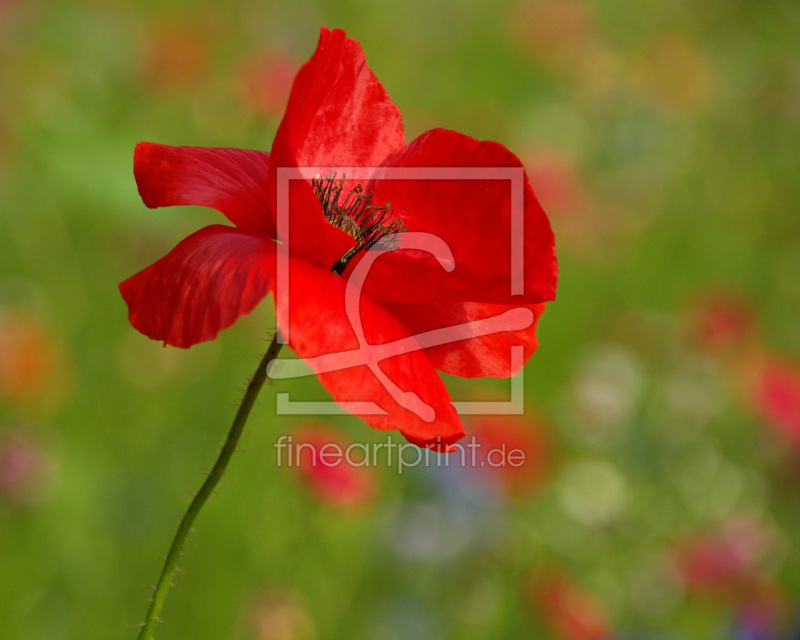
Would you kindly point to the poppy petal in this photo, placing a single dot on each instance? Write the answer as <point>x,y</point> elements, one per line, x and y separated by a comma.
<point>389,370</point>
<point>338,113</point>
<point>470,209</point>
<point>233,181</point>
<point>200,287</point>
<point>473,339</point>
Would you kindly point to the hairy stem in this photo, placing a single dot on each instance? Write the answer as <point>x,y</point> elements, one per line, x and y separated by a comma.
<point>171,561</point>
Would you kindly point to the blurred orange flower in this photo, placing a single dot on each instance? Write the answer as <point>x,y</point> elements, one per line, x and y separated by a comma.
<point>722,321</point>
<point>571,612</point>
<point>28,357</point>
<point>515,450</point>
<point>176,56</point>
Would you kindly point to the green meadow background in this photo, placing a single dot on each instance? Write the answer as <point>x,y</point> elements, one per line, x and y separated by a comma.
<point>662,410</point>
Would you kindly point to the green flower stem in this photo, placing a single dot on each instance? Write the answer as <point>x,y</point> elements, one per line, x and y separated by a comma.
<point>171,561</point>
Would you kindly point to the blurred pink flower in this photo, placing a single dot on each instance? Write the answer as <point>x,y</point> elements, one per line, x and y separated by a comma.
<point>711,564</point>
<point>729,562</point>
<point>730,571</point>
<point>331,468</point>
<point>725,324</point>
<point>773,392</point>
<point>25,469</point>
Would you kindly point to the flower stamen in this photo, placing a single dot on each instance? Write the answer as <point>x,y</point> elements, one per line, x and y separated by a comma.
<point>354,213</point>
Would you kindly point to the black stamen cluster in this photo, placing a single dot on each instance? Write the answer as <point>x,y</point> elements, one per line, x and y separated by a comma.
<point>355,214</point>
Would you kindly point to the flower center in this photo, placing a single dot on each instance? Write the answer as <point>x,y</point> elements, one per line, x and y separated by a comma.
<point>354,213</point>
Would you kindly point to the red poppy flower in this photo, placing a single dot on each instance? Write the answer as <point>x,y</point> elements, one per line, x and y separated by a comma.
<point>339,115</point>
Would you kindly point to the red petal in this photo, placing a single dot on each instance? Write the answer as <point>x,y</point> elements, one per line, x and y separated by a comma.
<point>200,287</point>
<point>322,334</point>
<point>338,113</point>
<point>472,215</point>
<point>233,181</point>
<point>475,355</point>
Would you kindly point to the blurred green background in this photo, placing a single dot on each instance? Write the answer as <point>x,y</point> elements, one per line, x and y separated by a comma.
<point>662,426</point>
